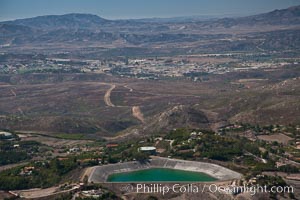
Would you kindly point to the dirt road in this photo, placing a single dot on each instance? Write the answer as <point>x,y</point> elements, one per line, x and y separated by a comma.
<point>87,172</point>
<point>5,167</point>
<point>107,96</point>
<point>13,92</point>
<point>42,193</point>
<point>129,88</point>
<point>137,113</point>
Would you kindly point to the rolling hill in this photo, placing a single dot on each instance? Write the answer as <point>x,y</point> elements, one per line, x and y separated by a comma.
<point>78,29</point>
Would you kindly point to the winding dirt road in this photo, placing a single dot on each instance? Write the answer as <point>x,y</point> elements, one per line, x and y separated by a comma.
<point>136,111</point>
<point>129,88</point>
<point>107,96</point>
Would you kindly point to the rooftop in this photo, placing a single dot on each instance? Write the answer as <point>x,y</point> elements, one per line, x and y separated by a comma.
<point>147,148</point>
<point>6,134</point>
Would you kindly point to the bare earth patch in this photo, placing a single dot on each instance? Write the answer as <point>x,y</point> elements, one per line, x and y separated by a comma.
<point>279,137</point>
<point>54,142</point>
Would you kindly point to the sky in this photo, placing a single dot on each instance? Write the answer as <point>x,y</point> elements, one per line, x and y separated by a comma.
<point>129,9</point>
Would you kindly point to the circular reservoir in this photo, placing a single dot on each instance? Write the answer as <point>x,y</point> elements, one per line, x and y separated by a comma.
<point>161,175</point>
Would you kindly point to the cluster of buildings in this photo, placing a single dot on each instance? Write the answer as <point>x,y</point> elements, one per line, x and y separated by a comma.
<point>147,68</point>
<point>164,67</point>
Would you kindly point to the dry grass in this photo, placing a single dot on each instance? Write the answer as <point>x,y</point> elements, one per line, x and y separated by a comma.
<point>279,137</point>
<point>78,107</point>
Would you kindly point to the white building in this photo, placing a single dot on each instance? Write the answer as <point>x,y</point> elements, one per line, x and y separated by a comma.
<point>151,150</point>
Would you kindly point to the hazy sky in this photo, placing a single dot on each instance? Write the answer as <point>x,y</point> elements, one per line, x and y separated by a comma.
<point>116,9</point>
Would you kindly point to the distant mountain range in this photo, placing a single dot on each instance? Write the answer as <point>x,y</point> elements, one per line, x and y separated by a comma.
<point>290,16</point>
<point>77,28</point>
<point>82,21</point>
<point>72,21</point>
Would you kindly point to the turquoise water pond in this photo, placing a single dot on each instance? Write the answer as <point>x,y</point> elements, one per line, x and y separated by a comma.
<point>160,175</point>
